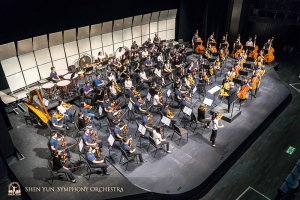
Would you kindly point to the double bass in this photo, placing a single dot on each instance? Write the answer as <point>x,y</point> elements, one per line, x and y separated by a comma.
<point>199,48</point>
<point>269,57</point>
<point>238,51</point>
<point>226,51</point>
<point>213,49</point>
<point>254,54</point>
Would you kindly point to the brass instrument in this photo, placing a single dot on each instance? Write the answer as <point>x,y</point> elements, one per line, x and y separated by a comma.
<point>219,116</point>
<point>66,105</point>
<point>36,105</point>
<point>117,88</point>
<point>191,80</point>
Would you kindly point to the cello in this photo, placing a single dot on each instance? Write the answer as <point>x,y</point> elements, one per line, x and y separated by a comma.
<point>213,49</point>
<point>238,51</point>
<point>269,57</point>
<point>254,54</point>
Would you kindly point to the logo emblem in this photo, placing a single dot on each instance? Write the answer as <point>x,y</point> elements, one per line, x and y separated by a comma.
<point>14,189</point>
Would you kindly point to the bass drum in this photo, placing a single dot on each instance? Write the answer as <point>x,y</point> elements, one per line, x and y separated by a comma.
<point>84,62</point>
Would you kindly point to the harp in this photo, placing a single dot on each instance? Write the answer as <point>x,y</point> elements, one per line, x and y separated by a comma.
<point>36,105</point>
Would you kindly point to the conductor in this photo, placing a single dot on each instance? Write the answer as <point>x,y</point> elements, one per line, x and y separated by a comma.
<point>231,96</point>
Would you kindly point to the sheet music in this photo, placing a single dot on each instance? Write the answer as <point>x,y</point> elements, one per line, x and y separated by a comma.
<point>207,101</point>
<point>100,110</point>
<point>187,110</point>
<point>130,105</point>
<point>80,145</point>
<point>166,121</point>
<point>143,132</point>
<point>149,96</point>
<point>214,89</point>
<point>169,92</point>
<point>111,140</point>
<point>46,102</point>
<point>140,129</point>
<point>194,90</point>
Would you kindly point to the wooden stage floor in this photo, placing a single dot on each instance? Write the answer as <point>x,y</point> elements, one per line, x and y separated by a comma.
<point>194,164</point>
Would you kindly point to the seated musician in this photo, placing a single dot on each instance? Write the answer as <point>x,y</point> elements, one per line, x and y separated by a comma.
<point>137,106</point>
<point>200,79</point>
<point>124,73</point>
<point>137,67</point>
<point>148,62</point>
<point>152,89</point>
<point>244,88</point>
<point>147,43</point>
<point>201,60</point>
<point>182,52</point>
<point>96,162</point>
<point>53,75</point>
<point>201,115</point>
<point>98,82</point>
<point>107,103</point>
<point>145,121</point>
<point>134,47</point>
<point>63,168</point>
<point>259,67</point>
<point>236,44</point>
<point>162,49</point>
<point>53,143</point>
<point>160,59</point>
<point>164,109</point>
<point>249,43</point>
<point>131,152</point>
<point>210,40</point>
<point>156,100</point>
<point>115,64</point>
<point>206,78</point>
<point>100,58</point>
<point>152,49</point>
<point>85,109</point>
<point>231,74</point>
<point>222,55</point>
<point>87,90</point>
<point>168,70</point>
<point>128,83</point>
<point>54,122</point>
<point>144,78</point>
<point>157,132</point>
<point>117,131</point>
<point>211,69</point>
<point>192,67</point>
<point>189,83</point>
<point>156,40</point>
<point>159,75</point>
<point>88,139</point>
<point>82,123</point>
<point>255,81</point>
<point>173,53</point>
<point>111,77</point>
<point>177,83</point>
<point>178,94</point>
<point>183,101</point>
<point>115,94</point>
<point>63,110</point>
<point>145,53</point>
<point>177,62</point>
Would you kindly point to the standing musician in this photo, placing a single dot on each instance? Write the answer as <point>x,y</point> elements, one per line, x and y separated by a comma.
<point>168,70</point>
<point>156,40</point>
<point>189,83</point>
<point>201,115</point>
<point>145,121</point>
<point>249,43</point>
<point>96,162</point>
<point>194,39</point>
<point>88,141</point>
<point>53,75</point>
<point>134,47</point>
<point>255,81</point>
<point>54,124</point>
<point>215,127</point>
<point>63,110</point>
<point>131,152</point>
<point>137,106</point>
<point>157,132</point>
<point>87,91</point>
<point>267,45</point>
<point>63,168</point>
<point>231,95</point>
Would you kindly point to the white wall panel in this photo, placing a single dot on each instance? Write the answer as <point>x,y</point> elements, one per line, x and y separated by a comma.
<point>128,43</point>
<point>137,20</point>
<point>107,27</point>
<point>163,35</point>
<point>127,35</point>
<point>25,46</point>
<point>15,81</point>
<point>96,42</point>
<point>170,34</point>
<point>118,36</point>
<point>57,52</point>
<point>127,23</point>
<point>7,51</point>
<point>96,29</point>
<point>107,39</point>
<point>45,70</point>
<point>27,61</point>
<point>71,59</point>
<point>71,48</point>
<point>55,39</point>
<point>136,31</point>
<point>153,27</point>
<point>42,56</point>
<point>60,64</point>
<point>144,38</point>
<point>109,50</point>
<point>162,25</point>
<point>10,66</point>
<point>84,45</point>
<point>31,75</point>
<point>145,29</point>
<point>170,24</point>
<point>138,41</point>
<point>117,45</point>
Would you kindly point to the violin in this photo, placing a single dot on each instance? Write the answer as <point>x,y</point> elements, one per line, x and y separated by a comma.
<point>97,152</point>
<point>87,106</point>
<point>58,116</point>
<point>95,138</point>
<point>87,121</point>
<point>63,143</point>
<point>125,129</point>
<point>194,71</point>
<point>64,157</point>
<point>191,80</point>
<point>119,114</point>
<point>219,116</point>
<point>135,93</point>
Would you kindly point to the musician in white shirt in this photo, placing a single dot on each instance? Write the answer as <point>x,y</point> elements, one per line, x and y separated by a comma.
<point>158,139</point>
<point>168,70</point>
<point>156,102</point>
<point>111,78</point>
<point>145,53</point>
<point>62,110</point>
<point>249,43</point>
<point>160,58</point>
<point>144,78</point>
<point>158,73</point>
<point>128,83</point>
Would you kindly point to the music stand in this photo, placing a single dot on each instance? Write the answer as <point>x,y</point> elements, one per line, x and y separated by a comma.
<point>247,66</point>
<point>166,122</point>
<point>213,91</point>
<point>250,48</point>
<point>223,46</point>
<point>250,59</point>
<point>111,141</point>
<point>237,81</point>
<point>215,54</point>
<point>211,60</point>
<point>212,44</point>
<point>243,73</point>
<point>142,131</point>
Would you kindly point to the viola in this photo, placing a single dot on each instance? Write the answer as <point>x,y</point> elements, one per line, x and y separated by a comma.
<point>63,143</point>
<point>97,152</point>
<point>64,157</point>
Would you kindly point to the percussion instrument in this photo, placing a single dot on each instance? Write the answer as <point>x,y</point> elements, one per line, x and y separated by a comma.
<point>85,61</point>
<point>48,88</point>
<point>61,72</point>
<point>63,86</point>
<point>74,79</point>
<point>81,74</point>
